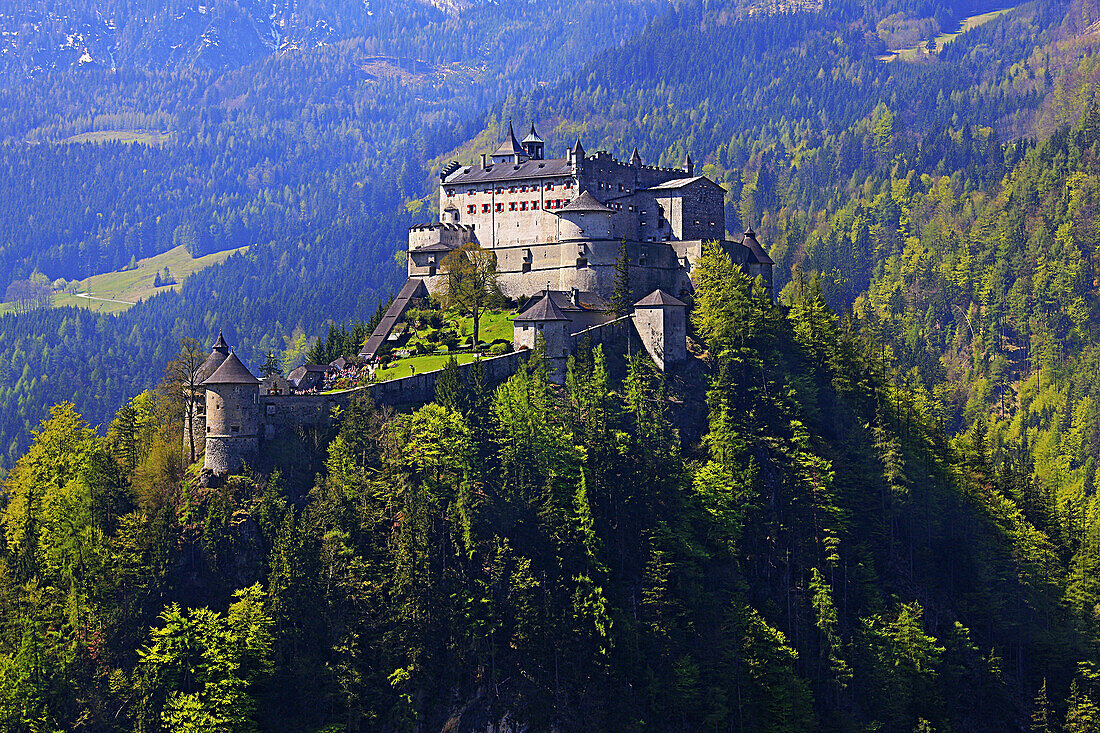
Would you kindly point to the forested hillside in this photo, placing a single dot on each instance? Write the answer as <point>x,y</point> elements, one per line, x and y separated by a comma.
<point>825,559</point>
<point>891,520</point>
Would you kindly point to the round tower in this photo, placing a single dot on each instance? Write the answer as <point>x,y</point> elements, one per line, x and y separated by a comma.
<point>232,416</point>
<point>584,218</point>
<point>194,418</point>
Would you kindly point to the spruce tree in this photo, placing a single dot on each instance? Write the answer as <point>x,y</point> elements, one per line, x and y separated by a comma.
<point>621,300</point>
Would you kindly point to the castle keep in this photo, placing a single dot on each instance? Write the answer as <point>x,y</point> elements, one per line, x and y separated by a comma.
<point>561,221</point>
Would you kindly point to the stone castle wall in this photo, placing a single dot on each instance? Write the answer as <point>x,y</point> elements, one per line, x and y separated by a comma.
<point>282,413</point>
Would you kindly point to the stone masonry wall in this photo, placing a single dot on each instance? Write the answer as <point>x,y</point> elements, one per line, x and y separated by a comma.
<point>281,413</point>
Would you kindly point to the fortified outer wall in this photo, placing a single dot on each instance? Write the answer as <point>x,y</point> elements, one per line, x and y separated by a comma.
<point>282,413</point>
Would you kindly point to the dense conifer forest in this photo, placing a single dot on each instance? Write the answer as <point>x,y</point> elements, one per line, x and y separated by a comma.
<point>869,506</point>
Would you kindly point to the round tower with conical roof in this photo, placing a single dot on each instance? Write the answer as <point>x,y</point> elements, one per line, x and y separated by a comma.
<point>194,423</point>
<point>232,416</point>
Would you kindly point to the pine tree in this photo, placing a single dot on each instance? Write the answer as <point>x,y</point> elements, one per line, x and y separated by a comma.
<point>621,299</point>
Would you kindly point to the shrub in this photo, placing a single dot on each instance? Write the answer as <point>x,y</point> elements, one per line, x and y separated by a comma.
<point>500,348</point>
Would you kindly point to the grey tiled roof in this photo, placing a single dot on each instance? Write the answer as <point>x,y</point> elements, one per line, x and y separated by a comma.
<point>748,240</point>
<point>585,202</point>
<point>232,371</point>
<point>659,298</point>
<point>681,182</point>
<point>494,172</point>
<point>543,310</point>
<point>413,288</point>
<point>563,299</point>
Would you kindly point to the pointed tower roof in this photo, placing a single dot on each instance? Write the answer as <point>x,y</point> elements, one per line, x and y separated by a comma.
<point>232,371</point>
<point>511,145</point>
<point>750,241</point>
<point>533,137</point>
<point>217,355</point>
<point>585,202</point>
<point>689,166</point>
<point>659,299</point>
<point>578,149</point>
<point>543,309</point>
<point>635,159</point>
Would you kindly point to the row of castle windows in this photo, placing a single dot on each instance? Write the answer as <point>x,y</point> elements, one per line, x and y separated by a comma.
<point>604,186</point>
<point>517,206</point>
<point>518,188</point>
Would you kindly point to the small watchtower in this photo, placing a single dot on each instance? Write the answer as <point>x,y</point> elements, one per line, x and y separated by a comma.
<point>232,416</point>
<point>194,423</point>
<point>661,322</point>
<point>545,319</point>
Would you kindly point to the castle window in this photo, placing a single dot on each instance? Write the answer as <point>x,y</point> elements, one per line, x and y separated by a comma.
<point>712,223</point>
<point>485,208</point>
<point>568,185</point>
<point>620,187</point>
<point>549,186</point>
<point>500,207</point>
<point>472,208</point>
<point>523,206</point>
<point>660,223</point>
<point>523,189</point>
<point>450,192</point>
<point>630,207</point>
<point>534,205</point>
<point>431,270</point>
<point>208,428</point>
<point>526,268</point>
<point>696,222</point>
<point>235,428</point>
<point>500,189</point>
<point>582,262</point>
<point>471,192</point>
<point>512,206</point>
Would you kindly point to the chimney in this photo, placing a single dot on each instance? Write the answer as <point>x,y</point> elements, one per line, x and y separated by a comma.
<point>483,161</point>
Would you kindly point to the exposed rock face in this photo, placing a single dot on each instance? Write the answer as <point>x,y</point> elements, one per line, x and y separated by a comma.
<point>209,34</point>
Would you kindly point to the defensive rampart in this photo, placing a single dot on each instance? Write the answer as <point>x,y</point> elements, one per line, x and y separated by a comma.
<point>281,413</point>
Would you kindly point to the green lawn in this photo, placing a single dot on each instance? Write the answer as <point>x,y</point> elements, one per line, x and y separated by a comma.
<point>421,364</point>
<point>494,325</point>
<point>114,292</point>
<point>967,24</point>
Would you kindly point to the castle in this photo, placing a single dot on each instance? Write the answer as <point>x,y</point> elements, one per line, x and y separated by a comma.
<point>562,221</point>
<point>556,228</point>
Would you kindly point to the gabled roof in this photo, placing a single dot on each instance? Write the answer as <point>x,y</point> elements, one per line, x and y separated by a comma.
<point>585,202</point>
<point>510,171</point>
<point>586,300</point>
<point>681,183</point>
<point>532,137</point>
<point>543,310</point>
<point>659,299</point>
<point>511,145</point>
<point>232,371</point>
